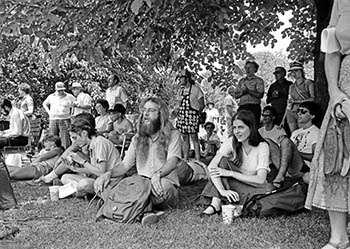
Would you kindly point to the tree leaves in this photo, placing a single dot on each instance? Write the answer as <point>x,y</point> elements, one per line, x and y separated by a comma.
<point>136,5</point>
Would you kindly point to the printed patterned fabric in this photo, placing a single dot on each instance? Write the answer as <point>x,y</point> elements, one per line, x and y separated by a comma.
<point>188,118</point>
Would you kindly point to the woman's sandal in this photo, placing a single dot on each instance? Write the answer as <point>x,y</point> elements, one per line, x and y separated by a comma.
<point>202,215</point>
<point>339,246</point>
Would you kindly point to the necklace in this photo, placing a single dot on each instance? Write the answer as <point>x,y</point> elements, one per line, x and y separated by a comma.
<point>247,149</point>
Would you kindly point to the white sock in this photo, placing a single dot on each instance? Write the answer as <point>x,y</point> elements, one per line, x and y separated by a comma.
<point>50,177</point>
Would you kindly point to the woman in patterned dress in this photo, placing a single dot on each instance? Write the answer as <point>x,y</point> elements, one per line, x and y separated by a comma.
<point>329,186</point>
<point>191,105</point>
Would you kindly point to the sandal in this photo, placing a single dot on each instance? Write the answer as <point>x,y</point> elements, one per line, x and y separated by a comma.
<point>339,246</point>
<point>214,212</point>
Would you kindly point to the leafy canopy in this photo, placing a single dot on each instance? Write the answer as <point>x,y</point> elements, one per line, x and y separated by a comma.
<point>145,41</point>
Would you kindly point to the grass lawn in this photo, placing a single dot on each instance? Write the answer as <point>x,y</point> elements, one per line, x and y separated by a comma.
<point>69,224</point>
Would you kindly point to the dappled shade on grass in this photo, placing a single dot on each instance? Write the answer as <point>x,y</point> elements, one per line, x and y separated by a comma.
<point>68,224</point>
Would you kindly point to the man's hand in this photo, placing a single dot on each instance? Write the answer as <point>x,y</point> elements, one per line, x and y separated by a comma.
<point>76,158</point>
<point>157,189</point>
<point>102,182</point>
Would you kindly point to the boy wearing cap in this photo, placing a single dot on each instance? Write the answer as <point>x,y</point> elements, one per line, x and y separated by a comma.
<point>59,106</point>
<point>277,95</point>
<point>84,100</point>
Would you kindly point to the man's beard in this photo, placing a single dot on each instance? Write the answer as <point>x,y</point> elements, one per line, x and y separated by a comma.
<point>151,128</point>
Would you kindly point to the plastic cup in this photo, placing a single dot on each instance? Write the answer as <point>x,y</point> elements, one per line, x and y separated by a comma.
<point>227,213</point>
<point>54,193</point>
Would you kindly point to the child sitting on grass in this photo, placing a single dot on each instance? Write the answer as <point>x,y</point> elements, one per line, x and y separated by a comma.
<point>43,164</point>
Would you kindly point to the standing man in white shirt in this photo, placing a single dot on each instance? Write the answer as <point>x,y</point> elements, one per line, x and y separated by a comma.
<point>59,106</point>
<point>115,93</point>
<point>19,130</point>
<point>84,100</point>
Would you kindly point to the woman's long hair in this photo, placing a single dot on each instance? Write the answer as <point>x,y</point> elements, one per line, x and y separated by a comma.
<point>248,118</point>
<point>142,141</point>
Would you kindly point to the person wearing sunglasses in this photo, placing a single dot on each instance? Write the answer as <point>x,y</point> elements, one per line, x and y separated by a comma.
<point>306,136</point>
<point>277,95</point>
<point>302,90</point>
<point>284,154</point>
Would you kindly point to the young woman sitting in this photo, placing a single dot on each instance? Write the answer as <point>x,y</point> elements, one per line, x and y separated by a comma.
<point>240,167</point>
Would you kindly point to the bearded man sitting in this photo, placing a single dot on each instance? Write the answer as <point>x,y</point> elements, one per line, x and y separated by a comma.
<point>155,150</point>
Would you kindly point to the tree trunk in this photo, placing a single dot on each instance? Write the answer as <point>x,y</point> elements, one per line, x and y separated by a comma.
<point>323,8</point>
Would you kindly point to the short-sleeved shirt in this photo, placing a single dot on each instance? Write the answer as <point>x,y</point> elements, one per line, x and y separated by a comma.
<point>254,83</point>
<point>116,91</point>
<point>279,102</point>
<point>60,106</point>
<point>19,124</point>
<point>123,127</point>
<point>304,139</point>
<point>103,150</point>
<point>213,137</point>
<point>83,99</point>
<point>153,162</point>
<point>276,134</point>
<point>27,105</point>
<point>102,122</point>
<point>257,158</point>
<point>340,19</point>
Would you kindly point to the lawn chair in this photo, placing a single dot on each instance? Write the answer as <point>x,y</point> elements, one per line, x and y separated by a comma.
<point>125,144</point>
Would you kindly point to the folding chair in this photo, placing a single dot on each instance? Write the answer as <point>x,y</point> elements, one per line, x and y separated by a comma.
<point>126,143</point>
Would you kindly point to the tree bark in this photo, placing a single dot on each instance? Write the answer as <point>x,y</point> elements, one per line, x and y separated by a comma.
<point>323,8</point>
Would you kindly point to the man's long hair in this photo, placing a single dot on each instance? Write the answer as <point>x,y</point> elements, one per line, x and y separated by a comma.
<point>142,140</point>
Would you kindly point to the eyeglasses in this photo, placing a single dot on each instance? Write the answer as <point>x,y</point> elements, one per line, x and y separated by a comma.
<point>143,110</point>
<point>266,115</point>
<point>302,111</point>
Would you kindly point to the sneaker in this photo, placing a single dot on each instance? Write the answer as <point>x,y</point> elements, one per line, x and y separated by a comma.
<point>151,218</point>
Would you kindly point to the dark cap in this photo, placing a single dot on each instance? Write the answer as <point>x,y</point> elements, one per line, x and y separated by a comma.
<point>118,108</point>
<point>280,69</point>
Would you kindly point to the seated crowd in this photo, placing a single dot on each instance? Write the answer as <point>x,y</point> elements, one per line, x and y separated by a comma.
<point>252,160</point>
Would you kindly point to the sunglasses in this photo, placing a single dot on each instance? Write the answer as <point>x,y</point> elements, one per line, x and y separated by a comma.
<point>266,115</point>
<point>302,111</point>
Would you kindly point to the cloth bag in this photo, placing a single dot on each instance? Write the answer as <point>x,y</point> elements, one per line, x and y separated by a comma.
<point>288,199</point>
<point>126,200</point>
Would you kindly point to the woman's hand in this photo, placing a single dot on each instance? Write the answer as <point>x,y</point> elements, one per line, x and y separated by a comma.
<point>231,196</point>
<point>102,182</point>
<point>219,172</point>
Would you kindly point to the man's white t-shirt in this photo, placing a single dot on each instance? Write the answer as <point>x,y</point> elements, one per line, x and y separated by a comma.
<point>276,134</point>
<point>304,139</point>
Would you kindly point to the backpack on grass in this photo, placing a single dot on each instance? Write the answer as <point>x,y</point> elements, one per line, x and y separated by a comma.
<point>127,200</point>
<point>288,199</point>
